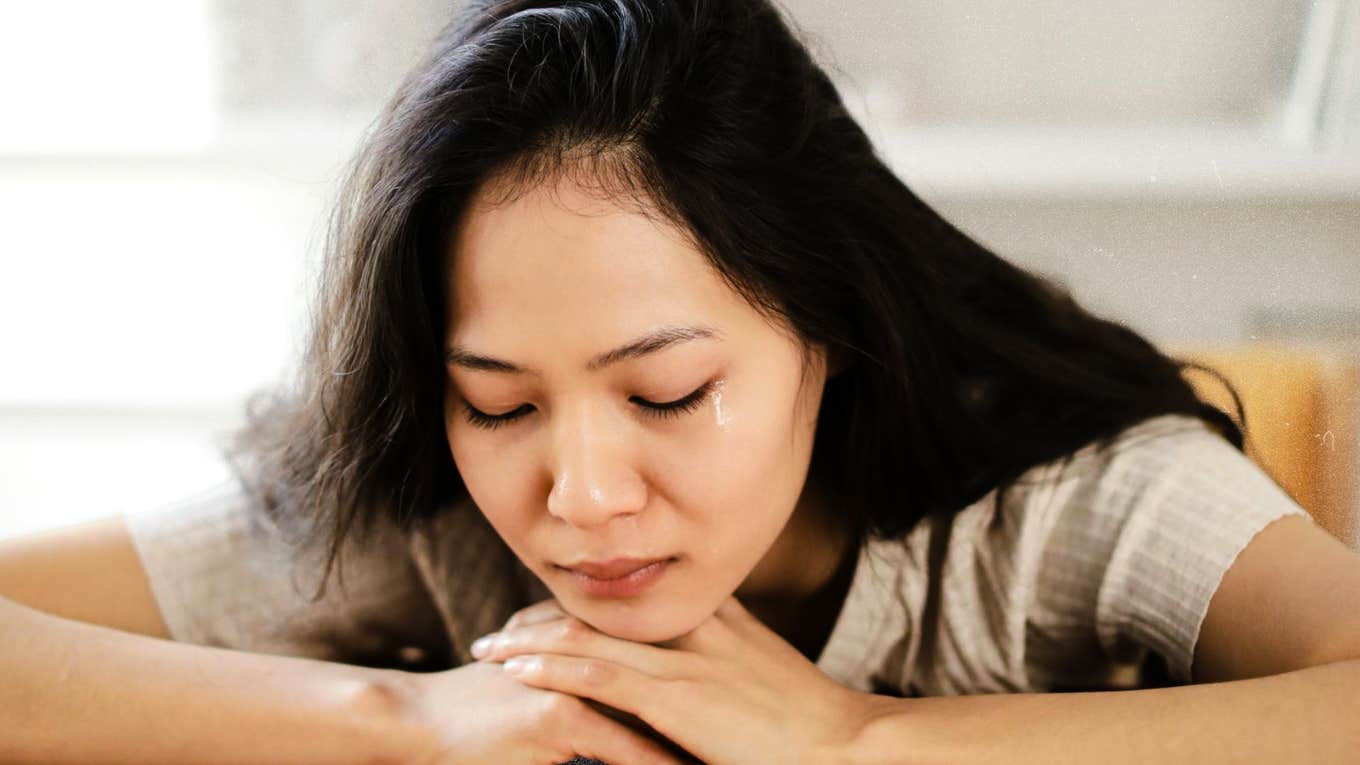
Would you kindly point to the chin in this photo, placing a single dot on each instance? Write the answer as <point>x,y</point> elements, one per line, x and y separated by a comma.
<point>637,624</point>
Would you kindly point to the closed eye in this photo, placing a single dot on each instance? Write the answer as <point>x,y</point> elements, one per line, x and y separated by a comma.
<point>667,410</point>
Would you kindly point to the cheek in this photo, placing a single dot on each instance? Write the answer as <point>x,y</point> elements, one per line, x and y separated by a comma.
<point>741,478</point>
<point>502,502</point>
<point>486,472</point>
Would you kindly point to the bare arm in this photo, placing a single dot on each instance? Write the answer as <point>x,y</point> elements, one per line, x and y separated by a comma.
<point>1280,650</point>
<point>88,572</point>
<point>87,680</point>
<point>82,693</point>
<point>1303,716</point>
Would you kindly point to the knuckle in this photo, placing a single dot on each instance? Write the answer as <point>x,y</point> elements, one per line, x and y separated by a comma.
<point>529,614</point>
<point>559,707</point>
<point>677,688</point>
<point>571,630</point>
<point>597,674</point>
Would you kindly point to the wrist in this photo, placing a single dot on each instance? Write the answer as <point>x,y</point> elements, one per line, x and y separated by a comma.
<point>878,736</point>
<point>390,700</point>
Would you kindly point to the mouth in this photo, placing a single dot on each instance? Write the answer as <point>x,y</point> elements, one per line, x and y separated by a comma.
<point>634,577</point>
<point>616,568</point>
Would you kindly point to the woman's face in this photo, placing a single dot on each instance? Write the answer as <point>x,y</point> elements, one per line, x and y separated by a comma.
<point>547,285</point>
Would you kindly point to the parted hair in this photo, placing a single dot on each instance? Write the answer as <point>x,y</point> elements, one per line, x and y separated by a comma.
<point>962,369</point>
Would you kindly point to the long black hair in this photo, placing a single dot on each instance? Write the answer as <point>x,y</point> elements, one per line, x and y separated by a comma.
<point>962,370</point>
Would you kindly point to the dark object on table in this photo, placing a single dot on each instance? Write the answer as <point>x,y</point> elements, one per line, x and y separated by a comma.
<point>688,758</point>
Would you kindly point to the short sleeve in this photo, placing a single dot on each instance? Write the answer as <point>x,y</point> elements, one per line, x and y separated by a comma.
<point>1144,539</point>
<point>223,576</point>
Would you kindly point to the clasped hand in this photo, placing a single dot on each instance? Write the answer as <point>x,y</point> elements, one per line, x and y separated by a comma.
<point>730,692</point>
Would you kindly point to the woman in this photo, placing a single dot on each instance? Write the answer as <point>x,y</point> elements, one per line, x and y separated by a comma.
<point>630,350</point>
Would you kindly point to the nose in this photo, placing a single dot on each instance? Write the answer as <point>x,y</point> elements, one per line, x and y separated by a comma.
<point>594,479</point>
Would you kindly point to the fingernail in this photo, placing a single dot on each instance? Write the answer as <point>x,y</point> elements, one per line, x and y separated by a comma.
<point>518,664</point>
<point>482,645</point>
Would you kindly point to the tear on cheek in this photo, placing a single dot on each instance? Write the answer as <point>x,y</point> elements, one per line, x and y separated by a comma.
<point>721,416</point>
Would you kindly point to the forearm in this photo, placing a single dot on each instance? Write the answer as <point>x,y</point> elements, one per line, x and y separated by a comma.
<point>81,693</point>
<point>1305,716</point>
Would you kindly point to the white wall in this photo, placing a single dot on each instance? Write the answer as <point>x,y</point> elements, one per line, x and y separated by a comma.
<point>141,301</point>
<point>144,292</point>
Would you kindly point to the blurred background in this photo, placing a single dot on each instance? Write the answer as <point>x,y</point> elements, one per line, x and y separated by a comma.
<point>167,166</point>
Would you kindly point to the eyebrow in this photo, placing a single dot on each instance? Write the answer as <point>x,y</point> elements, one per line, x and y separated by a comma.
<point>649,343</point>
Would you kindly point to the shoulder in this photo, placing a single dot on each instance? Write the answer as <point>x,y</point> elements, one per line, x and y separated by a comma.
<point>1148,446</point>
<point>1139,536</point>
<point>225,574</point>
<point>1088,560</point>
<point>1168,478</point>
<point>1077,504</point>
<point>1150,472</point>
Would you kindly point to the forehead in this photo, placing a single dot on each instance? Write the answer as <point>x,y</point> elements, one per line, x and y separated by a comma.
<point>560,256</point>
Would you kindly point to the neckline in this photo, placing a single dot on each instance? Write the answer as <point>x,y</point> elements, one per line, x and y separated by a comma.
<point>839,634</point>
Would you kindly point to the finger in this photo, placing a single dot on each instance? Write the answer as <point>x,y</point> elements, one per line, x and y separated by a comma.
<point>597,737</point>
<point>544,610</point>
<point>615,685</point>
<point>573,637</point>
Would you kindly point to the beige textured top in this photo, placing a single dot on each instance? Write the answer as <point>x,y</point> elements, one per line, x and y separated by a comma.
<point>1069,585</point>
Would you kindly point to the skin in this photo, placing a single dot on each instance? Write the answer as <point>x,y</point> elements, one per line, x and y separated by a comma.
<point>556,277</point>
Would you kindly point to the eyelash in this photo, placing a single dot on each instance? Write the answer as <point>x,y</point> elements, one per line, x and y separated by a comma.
<point>667,410</point>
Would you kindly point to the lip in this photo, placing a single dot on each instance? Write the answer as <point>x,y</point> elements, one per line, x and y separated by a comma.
<point>616,568</point>
<point>628,585</point>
